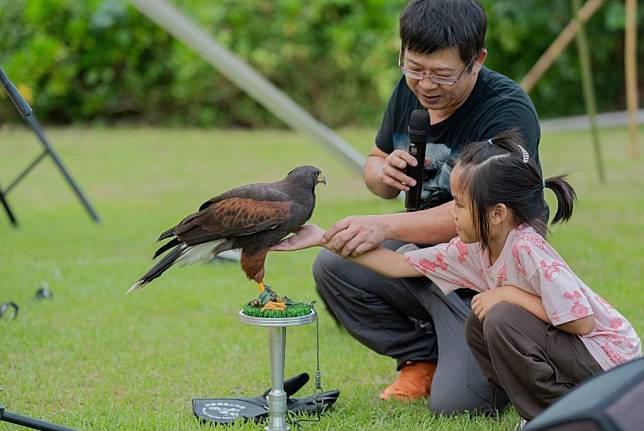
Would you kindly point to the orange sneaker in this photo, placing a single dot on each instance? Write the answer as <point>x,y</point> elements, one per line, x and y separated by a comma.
<point>413,382</point>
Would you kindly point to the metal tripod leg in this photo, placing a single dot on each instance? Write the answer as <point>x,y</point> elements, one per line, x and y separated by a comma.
<point>35,126</point>
<point>26,112</point>
<point>7,208</point>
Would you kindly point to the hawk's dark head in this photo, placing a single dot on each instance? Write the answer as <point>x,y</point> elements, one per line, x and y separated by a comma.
<point>306,177</point>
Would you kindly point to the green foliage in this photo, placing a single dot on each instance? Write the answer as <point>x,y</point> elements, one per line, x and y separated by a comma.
<point>86,60</point>
<point>520,31</point>
<point>102,60</point>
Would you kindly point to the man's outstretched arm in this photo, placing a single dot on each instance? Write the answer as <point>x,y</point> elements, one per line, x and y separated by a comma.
<point>355,235</point>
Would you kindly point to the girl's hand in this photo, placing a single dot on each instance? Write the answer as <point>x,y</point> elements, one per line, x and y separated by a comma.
<point>484,301</point>
<point>308,235</point>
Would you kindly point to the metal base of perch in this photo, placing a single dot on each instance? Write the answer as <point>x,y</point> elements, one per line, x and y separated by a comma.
<point>277,342</point>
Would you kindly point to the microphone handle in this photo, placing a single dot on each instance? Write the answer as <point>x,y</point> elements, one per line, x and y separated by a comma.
<point>412,198</point>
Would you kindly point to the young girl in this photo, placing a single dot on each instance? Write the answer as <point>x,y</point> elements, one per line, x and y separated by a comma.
<point>536,329</point>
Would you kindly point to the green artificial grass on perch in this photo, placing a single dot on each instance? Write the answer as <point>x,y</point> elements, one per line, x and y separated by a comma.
<point>270,305</point>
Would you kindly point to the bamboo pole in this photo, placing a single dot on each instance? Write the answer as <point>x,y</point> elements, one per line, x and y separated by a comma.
<point>630,70</point>
<point>559,44</point>
<point>588,88</point>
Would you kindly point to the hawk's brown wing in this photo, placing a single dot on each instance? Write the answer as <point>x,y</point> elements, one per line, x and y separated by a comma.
<point>234,216</point>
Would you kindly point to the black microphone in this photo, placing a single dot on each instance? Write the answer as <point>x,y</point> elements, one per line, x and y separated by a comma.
<point>418,130</point>
<point>19,102</point>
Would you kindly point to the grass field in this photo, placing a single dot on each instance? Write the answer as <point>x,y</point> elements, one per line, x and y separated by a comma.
<point>95,359</point>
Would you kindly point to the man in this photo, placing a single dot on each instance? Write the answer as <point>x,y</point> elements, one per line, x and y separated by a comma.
<point>410,320</point>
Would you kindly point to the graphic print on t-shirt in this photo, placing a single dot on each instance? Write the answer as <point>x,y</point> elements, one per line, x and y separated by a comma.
<point>436,188</point>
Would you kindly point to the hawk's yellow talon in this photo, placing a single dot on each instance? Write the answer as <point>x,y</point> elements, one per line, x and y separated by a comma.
<point>276,306</point>
<point>260,286</point>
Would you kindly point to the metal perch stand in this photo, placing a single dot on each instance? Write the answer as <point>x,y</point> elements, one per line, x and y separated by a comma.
<point>277,342</point>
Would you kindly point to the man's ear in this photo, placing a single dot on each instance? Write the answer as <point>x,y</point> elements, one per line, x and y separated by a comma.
<point>479,60</point>
<point>497,214</point>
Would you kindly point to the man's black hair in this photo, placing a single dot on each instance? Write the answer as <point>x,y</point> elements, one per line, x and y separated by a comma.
<point>432,25</point>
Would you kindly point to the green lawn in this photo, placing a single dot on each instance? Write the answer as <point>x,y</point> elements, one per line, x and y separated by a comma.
<point>94,359</point>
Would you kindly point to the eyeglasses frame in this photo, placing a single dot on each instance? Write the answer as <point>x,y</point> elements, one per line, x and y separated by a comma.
<point>425,74</point>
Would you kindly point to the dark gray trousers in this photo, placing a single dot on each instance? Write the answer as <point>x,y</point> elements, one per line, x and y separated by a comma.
<point>534,362</point>
<point>384,315</point>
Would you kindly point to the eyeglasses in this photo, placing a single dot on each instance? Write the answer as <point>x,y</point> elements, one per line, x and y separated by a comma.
<point>436,79</point>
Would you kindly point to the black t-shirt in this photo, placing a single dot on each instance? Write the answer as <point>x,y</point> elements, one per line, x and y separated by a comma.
<point>496,104</point>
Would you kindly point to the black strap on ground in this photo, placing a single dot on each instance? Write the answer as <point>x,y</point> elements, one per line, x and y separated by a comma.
<point>43,292</point>
<point>29,422</point>
<point>6,306</point>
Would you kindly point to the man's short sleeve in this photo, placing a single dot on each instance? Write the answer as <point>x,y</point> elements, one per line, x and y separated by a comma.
<point>384,137</point>
<point>520,115</point>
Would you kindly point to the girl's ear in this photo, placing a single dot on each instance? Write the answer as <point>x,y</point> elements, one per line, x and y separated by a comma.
<point>497,214</point>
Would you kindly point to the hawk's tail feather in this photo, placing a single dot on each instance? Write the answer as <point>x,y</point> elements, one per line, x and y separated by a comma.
<point>158,269</point>
<point>203,252</point>
<point>167,246</point>
<point>167,234</point>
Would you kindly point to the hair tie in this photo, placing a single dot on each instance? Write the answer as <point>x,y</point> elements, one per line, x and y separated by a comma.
<point>543,182</point>
<point>525,154</point>
<point>489,141</point>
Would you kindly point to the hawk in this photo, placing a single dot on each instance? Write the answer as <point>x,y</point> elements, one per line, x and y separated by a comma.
<point>252,218</point>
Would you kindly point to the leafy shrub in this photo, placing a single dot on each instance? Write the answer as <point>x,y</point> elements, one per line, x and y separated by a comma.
<point>103,61</point>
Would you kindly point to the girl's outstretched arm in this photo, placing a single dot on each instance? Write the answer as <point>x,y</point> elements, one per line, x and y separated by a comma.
<point>381,260</point>
<point>386,262</point>
<point>307,236</point>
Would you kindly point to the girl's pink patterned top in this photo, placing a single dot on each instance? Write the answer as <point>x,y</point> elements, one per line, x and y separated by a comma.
<point>528,262</point>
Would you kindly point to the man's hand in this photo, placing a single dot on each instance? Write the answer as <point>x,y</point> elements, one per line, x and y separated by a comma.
<point>484,301</point>
<point>308,235</point>
<point>384,173</point>
<point>392,171</point>
<point>355,235</point>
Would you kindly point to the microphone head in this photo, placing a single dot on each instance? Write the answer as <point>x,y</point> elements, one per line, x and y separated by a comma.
<point>418,124</point>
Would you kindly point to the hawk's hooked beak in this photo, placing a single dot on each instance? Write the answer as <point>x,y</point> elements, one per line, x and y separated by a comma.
<point>321,179</point>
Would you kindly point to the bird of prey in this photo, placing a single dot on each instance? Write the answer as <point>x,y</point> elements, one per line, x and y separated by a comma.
<point>251,218</point>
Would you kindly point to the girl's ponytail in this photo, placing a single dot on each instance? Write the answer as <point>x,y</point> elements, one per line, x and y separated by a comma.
<point>565,197</point>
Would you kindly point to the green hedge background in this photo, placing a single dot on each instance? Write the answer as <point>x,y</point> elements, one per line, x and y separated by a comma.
<point>101,61</point>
